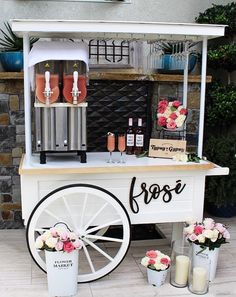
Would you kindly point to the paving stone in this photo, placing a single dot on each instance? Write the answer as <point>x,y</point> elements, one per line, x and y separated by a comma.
<point>20,129</point>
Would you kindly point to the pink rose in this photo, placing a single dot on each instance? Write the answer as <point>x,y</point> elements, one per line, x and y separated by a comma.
<point>226,234</point>
<point>176,103</point>
<point>198,229</point>
<point>171,124</point>
<point>59,246</point>
<point>77,244</point>
<point>161,109</point>
<point>161,121</point>
<point>220,227</point>
<point>183,111</point>
<point>68,246</point>
<point>192,237</point>
<point>163,103</point>
<point>208,223</point>
<point>63,236</point>
<point>165,261</point>
<point>53,232</point>
<point>151,254</point>
<point>173,116</point>
<point>151,262</point>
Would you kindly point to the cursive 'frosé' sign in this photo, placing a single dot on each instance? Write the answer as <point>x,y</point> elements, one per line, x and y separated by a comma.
<point>166,148</point>
<point>152,192</point>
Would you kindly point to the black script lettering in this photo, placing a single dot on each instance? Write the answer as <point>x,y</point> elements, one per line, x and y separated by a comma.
<point>132,202</point>
<point>178,187</point>
<point>153,192</point>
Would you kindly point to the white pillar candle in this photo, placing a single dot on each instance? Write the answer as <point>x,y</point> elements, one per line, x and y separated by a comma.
<point>181,270</point>
<point>199,279</point>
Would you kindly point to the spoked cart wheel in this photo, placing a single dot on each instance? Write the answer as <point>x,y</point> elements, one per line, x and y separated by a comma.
<point>88,210</point>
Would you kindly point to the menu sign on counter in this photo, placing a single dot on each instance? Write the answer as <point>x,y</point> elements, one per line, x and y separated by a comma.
<point>166,148</point>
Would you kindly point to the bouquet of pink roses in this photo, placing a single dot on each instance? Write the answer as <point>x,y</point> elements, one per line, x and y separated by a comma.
<point>171,115</point>
<point>156,260</point>
<point>58,239</point>
<point>207,234</point>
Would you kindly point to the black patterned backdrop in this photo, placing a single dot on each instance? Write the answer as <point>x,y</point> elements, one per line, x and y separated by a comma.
<point>110,104</point>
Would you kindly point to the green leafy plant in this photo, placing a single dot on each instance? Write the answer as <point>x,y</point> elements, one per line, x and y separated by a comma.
<point>224,56</point>
<point>221,106</point>
<point>175,47</point>
<point>220,14</point>
<point>221,190</point>
<point>10,41</point>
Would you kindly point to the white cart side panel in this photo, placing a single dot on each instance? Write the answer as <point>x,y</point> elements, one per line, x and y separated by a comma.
<point>161,205</point>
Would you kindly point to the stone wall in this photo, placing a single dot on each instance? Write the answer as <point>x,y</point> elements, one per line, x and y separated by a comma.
<point>12,139</point>
<point>11,149</point>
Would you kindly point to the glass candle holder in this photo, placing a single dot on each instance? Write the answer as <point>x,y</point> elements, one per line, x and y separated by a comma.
<point>180,262</point>
<point>198,279</point>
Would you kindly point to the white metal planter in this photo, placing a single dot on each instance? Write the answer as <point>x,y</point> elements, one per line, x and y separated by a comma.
<point>62,273</point>
<point>212,255</point>
<point>156,278</point>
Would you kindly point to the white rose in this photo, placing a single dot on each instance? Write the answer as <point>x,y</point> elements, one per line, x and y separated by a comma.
<point>144,261</point>
<point>215,235</point>
<point>208,234</point>
<point>47,234</point>
<point>189,229</point>
<point>201,238</point>
<point>51,242</point>
<point>158,266</point>
<point>209,223</point>
<point>183,158</point>
<point>39,243</point>
<point>73,236</point>
<point>180,120</point>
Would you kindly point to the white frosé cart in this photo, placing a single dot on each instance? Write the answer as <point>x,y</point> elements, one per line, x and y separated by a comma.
<point>93,197</point>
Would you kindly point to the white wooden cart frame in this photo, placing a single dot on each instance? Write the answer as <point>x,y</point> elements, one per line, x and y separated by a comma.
<point>91,197</point>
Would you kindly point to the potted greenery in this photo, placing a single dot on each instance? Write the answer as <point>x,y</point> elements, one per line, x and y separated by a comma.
<point>11,55</point>
<point>174,57</point>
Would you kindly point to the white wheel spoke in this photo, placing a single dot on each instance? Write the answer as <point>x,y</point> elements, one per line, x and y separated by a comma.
<point>88,257</point>
<point>94,217</point>
<point>98,249</point>
<point>83,211</point>
<point>104,238</point>
<point>70,213</point>
<point>41,229</point>
<point>83,205</point>
<point>56,217</point>
<point>101,226</point>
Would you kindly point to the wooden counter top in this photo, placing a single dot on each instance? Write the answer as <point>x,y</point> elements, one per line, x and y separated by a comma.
<point>118,74</point>
<point>97,163</point>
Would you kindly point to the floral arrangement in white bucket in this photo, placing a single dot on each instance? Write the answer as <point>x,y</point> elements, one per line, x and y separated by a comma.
<point>58,239</point>
<point>207,234</point>
<point>156,260</point>
<point>171,115</point>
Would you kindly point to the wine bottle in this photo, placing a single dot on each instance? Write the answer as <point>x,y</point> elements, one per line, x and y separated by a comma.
<point>139,139</point>
<point>130,138</point>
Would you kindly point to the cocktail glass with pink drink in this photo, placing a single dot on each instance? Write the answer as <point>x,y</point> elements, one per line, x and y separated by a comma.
<point>121,146</point>
<point>110,145</point>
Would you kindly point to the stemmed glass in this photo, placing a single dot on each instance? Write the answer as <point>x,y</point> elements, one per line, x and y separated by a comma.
<point>110,145</point>
<point>121,146</point>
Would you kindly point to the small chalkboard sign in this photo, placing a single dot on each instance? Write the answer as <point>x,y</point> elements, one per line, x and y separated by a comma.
<point>166,148</point>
